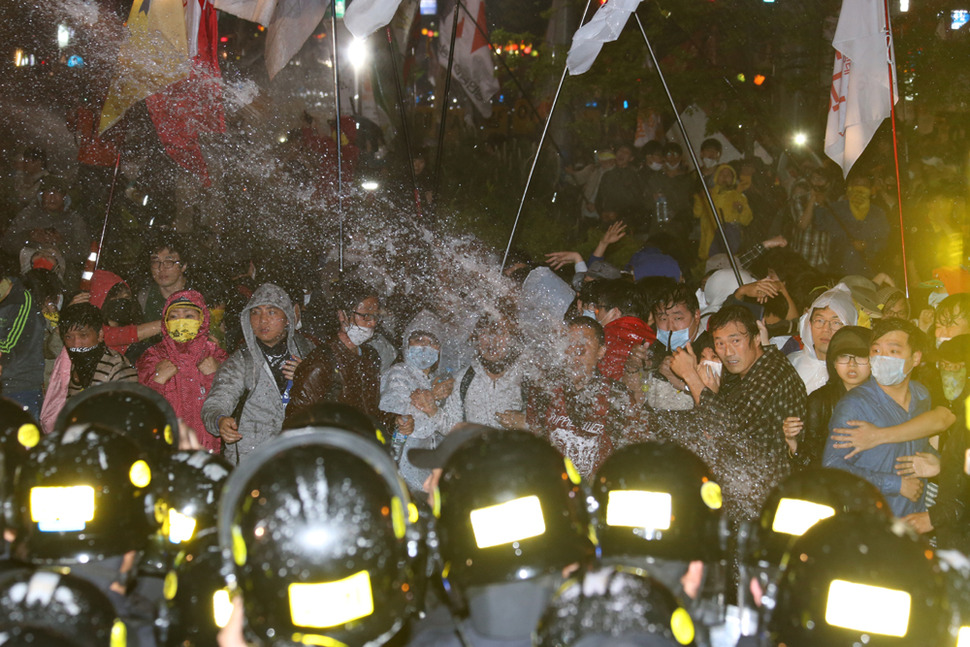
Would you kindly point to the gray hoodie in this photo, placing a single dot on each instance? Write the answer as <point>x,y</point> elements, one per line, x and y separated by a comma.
<point>247,369</point>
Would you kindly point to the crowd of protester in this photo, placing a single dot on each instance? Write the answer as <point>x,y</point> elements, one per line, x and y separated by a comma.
<point>809,345</point>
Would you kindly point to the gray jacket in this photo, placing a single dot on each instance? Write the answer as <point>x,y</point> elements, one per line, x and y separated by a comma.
<point>247,369</point>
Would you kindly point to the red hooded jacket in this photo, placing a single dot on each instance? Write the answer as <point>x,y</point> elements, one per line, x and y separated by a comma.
<point>621,336</point>
<point>187,390</point>
<point>116,338</point>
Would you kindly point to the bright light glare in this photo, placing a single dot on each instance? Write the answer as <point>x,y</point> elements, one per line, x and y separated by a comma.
<point>328,604</point>
<point>63,36</point>
<point>357,53</point>
<point>800,139</point>
<point>508,522</point>
<point>369,185</point>
<point>903,6</point>
<point>871,609</point>
<point>180,526</point>
<point>639,509</point>
<point>795,516</point>
<point>60,509</point>
<point>221,607</point>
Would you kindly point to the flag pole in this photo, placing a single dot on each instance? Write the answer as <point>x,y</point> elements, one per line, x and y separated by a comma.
<point>508,71</point>
<point>340,174</point>
<point>404,121</point>
<point>542,139</point>
<point>690,149</point>
<point>891,55</point>
<point>444,114</point>
<point>111,195</point>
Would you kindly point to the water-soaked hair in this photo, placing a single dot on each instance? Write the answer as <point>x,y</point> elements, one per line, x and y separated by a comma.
<point>955,305</point>
<point>620,293</point>
<point>915,337</point>
<point>675,294</point>
<point>589,324</point>
<point>734,314</point>
<point>79,315</point>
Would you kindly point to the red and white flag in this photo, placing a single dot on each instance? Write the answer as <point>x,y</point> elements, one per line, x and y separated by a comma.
<point>473,67</point>
<point>192,106</point>
<point>864,68</point>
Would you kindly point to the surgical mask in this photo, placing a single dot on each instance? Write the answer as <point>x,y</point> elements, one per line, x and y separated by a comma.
<point>715,367</point>
<point>935,298</point>
<point>675,338</point>
<point>940,340</point>
<point>953,383</point>
<point>708,162</point>
<point>888,371</point>
<point>655,166</point>
<point>670,166</point>
<point>358,334</point>
<point>589,313</point>
<point>183,330</point>
<point>421,357</point>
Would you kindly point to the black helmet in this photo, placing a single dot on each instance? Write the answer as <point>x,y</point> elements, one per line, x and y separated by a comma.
<point>339,415</point>
<point>658,501</point>
<point>131,409</point>
<point>194,485</point>
<point>196,603</point>
<point>859,578</point>
<point>319,532</point>
<point>614,606</point>
<point>84,494</point>
<point>41,603</point>
<point>510,508</point>
<point>801,501</point>
<point>19,433</point>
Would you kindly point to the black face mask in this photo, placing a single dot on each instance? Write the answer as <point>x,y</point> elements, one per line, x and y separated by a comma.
<point>124,312</point>
<point>84,361</point>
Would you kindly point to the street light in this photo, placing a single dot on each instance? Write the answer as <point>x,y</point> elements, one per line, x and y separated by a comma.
<point>800,139</point>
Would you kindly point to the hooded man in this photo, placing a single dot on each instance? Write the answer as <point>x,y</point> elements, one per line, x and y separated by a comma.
<point>251,389</point>
<point>732,207</point>
<point>832,310</point>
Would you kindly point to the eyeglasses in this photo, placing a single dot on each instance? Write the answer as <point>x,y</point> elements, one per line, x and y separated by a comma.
<point>845,360</point>
<point>167,263</point>
<point>370,318</point>
<point>824,323</point>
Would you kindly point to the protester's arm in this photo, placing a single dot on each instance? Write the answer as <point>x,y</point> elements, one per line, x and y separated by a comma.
<point>839,458</point>
<point>227,387</point>
<point>859,435</point>
<point>616,231</point>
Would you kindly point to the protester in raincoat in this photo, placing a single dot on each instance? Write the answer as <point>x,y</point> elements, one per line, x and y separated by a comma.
<point>182,366</point>
<point>732,206</point>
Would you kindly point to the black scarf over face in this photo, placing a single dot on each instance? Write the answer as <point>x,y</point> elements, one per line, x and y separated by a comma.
<point>85,363</point>
<point>276,357</point>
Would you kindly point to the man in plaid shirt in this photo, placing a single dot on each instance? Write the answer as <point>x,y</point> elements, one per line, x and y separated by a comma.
<point>759,387</point>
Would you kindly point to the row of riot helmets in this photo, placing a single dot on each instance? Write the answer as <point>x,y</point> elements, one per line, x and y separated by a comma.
<point>112,537</point>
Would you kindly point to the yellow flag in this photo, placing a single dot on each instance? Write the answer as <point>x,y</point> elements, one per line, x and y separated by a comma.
<point>154,55</point>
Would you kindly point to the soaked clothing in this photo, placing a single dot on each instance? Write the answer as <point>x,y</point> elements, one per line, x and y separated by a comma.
<point>584,425</point>
<point>761,400</point>
<point>622,335</point>
<point>949,514</point>
<point>335,373</point>
<point>21,341</point>
<point>878,465</point>
<point>482,397</point>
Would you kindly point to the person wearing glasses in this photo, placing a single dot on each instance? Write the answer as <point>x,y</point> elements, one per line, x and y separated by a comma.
<point>343,368</point>
<point>829,312</point>
<point>169,262</point>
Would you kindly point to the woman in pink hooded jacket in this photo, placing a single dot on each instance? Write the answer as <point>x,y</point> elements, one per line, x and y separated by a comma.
<point>182,366</point>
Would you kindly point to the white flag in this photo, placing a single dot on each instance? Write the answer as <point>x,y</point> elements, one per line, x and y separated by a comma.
<point>473,67</point>
<point>364,17</point>
<point>864,63</point>
<point>605,27</point>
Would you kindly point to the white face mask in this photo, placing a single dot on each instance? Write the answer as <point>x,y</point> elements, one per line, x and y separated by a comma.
<point>655,166</point>
<point>708,162</point>
<point>888,371</point>
<point>358,334</point>
<point>935,298</point>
